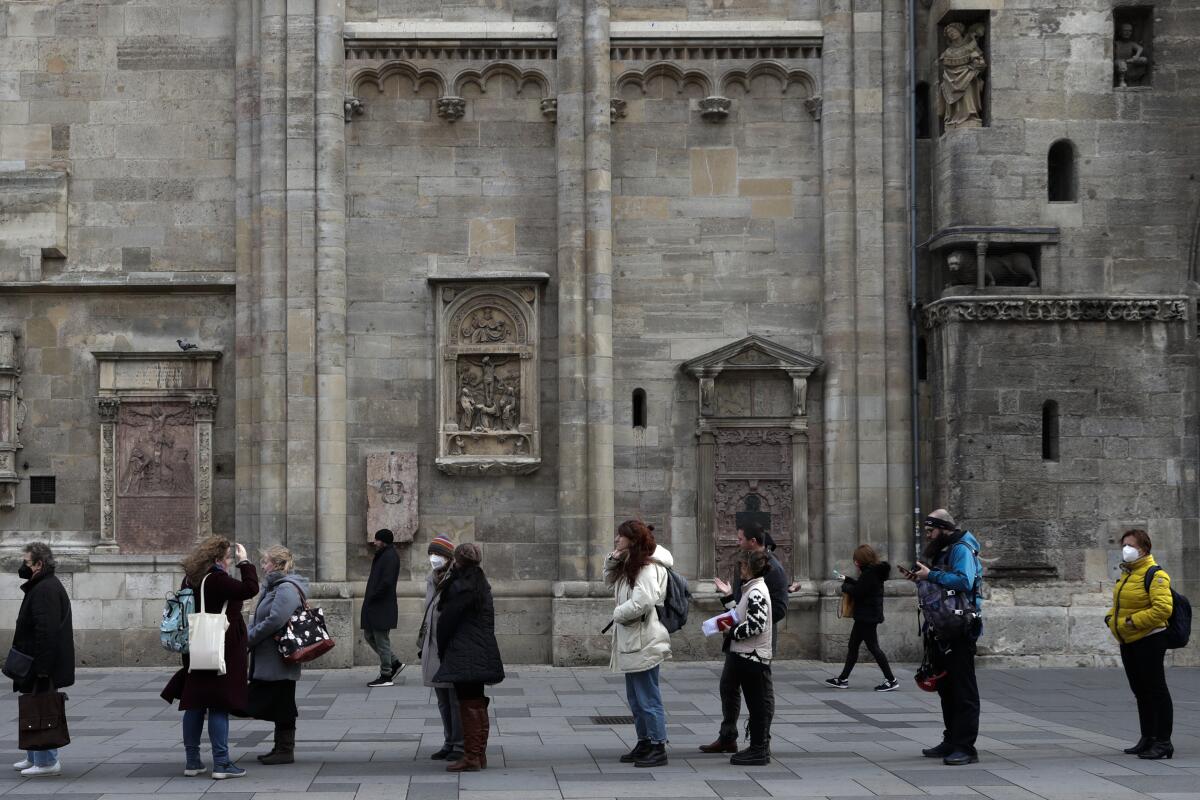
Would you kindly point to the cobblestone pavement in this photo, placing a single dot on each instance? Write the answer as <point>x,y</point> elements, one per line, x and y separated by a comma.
<point>1053,734</point>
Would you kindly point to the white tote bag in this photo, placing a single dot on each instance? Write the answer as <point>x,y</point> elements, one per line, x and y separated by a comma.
<point>206,637</point>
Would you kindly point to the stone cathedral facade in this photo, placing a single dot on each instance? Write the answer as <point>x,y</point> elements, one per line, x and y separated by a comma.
<point>514,271</point>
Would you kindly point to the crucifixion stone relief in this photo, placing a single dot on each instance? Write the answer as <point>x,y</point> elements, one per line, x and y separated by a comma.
<point>487,334</point>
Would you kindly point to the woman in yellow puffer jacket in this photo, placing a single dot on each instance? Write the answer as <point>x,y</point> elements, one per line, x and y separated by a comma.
<point>1138,620</point>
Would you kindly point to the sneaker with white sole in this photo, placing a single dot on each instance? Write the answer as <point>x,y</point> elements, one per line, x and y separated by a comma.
<point>192,770</point>
<point>24,763</point>
<point>43,772</point>
<point>888,686</point>
<point>837,683</point>
<point>382,680</point>
<point>230,770</point>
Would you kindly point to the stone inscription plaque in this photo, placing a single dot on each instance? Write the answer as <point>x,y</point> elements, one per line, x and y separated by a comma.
<point>392,493</point>
<point>156,477</point>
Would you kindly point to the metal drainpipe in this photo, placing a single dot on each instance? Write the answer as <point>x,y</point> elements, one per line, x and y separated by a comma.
<point>914,305</point>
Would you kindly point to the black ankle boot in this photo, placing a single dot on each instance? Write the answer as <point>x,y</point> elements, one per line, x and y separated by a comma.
<point>656,757</point>
<point>639,751</point>
<point>1157,750</point>
<point>752,756</point>
<point>1141,746</point>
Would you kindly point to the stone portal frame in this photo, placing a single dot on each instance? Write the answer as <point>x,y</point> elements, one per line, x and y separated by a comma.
<point>169,378</point>
<point>754,354</point>
<point>488,332</point>
<point>12,415</point>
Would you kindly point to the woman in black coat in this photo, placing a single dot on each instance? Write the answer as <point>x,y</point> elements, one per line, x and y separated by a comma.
<point>467,649</point>
<point>867,592</point>
<point>204,691</point>
<point>44,633</point>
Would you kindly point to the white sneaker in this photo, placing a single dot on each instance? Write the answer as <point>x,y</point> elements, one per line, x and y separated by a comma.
<point>24,763</point>
<point>43,772</point>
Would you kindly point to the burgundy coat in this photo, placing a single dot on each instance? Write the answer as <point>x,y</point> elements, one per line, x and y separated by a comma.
<point>205,688</point>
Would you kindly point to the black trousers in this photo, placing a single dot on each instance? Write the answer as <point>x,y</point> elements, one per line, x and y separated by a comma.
<point>959,693</point>
<point>865,633</point>
<point>743,677</point>
<point>731,697</point>
<point>1143,662</point>
<point>468,691</point>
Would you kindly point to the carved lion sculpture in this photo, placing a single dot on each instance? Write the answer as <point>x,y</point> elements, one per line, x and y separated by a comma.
<point>1011,269</point>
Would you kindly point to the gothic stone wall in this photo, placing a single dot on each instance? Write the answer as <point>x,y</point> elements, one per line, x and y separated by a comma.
<point>137,101</point>
<point>1126,395</point>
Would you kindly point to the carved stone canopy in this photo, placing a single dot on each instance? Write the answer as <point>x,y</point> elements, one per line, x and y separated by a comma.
<point>753,354</point>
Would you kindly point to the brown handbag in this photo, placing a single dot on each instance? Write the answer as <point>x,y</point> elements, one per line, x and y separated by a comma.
<point>42,718</point>
<point>846,609</point>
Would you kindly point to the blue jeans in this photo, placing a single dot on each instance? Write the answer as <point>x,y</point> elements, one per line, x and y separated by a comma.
<point>218,734</point>
<point>42,758</point>
<point>645,701</point>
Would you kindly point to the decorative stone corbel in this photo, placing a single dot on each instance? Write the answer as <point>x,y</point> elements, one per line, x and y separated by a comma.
<point>616,109</point>
<point>353,107</point>
<point>451,109</point>
<point>813,104</point>
<point>799,393</point>
<point>550,108</point>
<point>715,108</point>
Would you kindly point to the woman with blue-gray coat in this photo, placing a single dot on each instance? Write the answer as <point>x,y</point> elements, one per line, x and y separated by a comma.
<point>272,680</point>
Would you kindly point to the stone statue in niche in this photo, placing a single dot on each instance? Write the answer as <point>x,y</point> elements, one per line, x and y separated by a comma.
<point>485,327</point>
<point>960,87</point>
<point>488,401</point>
<point>1007,269</point>
<point>1129,57</point>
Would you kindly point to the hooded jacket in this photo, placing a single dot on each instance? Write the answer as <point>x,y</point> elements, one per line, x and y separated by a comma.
<point>1135,614</point>
<point>278,600</point>
<point>639,640</point>
<point>867,591</point>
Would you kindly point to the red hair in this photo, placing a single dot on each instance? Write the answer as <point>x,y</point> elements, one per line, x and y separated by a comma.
<point>641,547</point>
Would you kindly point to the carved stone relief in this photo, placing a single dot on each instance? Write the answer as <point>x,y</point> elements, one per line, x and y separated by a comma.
<point>487,348</point>
<point>156,414</point>
<point>1055,309</point>
<point>392,493</point>
<point>960,69</point>
<point>12,414</point>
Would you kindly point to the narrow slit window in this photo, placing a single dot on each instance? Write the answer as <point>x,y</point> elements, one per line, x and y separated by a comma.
<point>922,358</point>
<point>1061,181</point>
<point>42,489</point>
<point>639,408</point>
<point>921,110</point>
<point>1050,431</point>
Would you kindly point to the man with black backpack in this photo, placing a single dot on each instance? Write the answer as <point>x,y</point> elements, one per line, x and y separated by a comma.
<point>753,538</point>
<point>949,587</point>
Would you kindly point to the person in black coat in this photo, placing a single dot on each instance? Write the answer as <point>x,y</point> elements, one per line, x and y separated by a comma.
<point>379,610</point>
<point>467,649</point>
<point>44,633</point>
<point>867,592</point>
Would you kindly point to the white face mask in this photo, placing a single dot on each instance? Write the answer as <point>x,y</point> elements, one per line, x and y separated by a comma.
<point>1129,554</point>
<point>437,562</point>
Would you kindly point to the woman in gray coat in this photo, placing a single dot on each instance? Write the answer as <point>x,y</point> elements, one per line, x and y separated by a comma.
<point>272,680</point>
<point>441,552</point>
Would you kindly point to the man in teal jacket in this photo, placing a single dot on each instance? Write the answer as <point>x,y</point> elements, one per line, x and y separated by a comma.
<point>952,557</point>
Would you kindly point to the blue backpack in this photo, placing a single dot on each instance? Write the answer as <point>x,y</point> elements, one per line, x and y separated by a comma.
<point>1179,626</point>
<point>173,630</point>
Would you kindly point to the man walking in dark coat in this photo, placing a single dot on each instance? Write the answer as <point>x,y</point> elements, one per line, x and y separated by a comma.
<point>44,633</point>
<point>379,611</point>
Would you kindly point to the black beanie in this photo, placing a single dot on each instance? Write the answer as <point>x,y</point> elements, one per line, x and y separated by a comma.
<point>384,535</point>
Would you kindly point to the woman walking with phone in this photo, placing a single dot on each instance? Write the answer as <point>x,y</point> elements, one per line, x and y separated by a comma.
<point>867,593</point>
<point>209,692</point>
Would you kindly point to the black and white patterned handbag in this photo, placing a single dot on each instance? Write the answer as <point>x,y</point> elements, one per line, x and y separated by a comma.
<point>305,637</point>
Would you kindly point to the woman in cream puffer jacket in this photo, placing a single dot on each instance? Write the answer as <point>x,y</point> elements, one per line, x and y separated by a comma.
<point>637,572</point>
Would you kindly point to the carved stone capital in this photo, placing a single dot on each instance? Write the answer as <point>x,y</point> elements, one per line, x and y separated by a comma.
<point>108,407</point>
<point>1055,309</point>
<point>451,109</point>
<point>353,107</point>
<point>550,108</point>
<point>715,108</point>
<point>205,407</point>
<point>616,109</point>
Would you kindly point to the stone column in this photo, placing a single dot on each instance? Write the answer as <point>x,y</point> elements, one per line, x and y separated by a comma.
<point>330,297</point>
<point>801,566</point>
<point>897,130</point>
<point>271,284</point>
<point>204,408</point>
<point>598,157</point>
<point>572,315</point>
<point>706,523</point>
<point>109,408</point>
<point>838,334</point>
